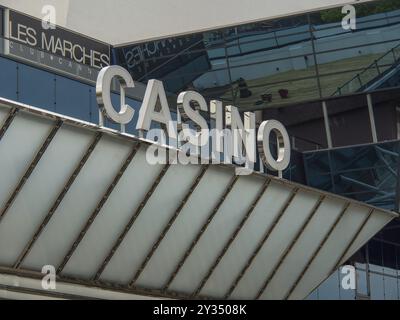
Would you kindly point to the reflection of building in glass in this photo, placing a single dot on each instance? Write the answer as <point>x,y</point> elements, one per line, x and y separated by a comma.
<point>309,57</point>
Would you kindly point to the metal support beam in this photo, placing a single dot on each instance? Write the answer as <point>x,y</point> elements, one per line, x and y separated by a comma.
<point>362,184</point>
<point>382,158</point>
<point>388,152</point>
<point>291,245</point>
<point>13,112</point>
<point>99,206</point>
<point>232,238</point>
<point>397,198</point>
<point>55,205</point>
<point>169,224</point>
<point>201,232</point>
<point>346,250</point>
<point>30,169</point>
<point>316,252</point>
<point>372,119</point>
<point>261,243</point>
<point>132,220</point>
<point>112,287</point>
<point>327,127</point>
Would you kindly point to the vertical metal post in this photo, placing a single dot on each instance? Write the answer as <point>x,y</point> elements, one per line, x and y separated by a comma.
<point>314,52</point>
<point>101,118</point>
<point>327,128</point>
<point>398,122</point>
<point>397,199</point>
<point>367,273</point>
<point>372,119</point>
<point>122,99</point>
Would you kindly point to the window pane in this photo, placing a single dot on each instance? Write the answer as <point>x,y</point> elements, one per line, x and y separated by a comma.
<point>329,289</point>
<point>362,287</point>
<point>349,115</point>
<point>8,79</point>
<point>390,288</point>
<point>376,282</point>
<point>36,87</point>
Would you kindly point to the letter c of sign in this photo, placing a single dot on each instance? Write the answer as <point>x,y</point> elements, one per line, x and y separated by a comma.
<point>283,148</point>
<point>103,93</point>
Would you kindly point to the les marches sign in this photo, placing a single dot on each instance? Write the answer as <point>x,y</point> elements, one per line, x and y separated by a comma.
<point>55,48</point>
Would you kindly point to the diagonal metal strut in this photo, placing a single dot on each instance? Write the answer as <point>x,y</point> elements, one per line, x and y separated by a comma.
<point>99,206</point>
<point>261,243</point>
<point>232,237</point>
<point>30,169</point>
<point>169,224</point>
<point>132,220</point>
<point>59,199</point>
<point>202,230</point>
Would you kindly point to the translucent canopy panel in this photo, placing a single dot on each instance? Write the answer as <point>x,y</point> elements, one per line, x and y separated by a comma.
<point>85,200</point>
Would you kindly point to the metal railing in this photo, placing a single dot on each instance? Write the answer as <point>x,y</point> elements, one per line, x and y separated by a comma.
<point>370,73</point>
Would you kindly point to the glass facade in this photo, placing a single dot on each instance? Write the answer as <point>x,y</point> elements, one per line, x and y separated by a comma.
<point>278,62</point>
<point>368,173</point>
<point>377,271</point>
<point>293,61</point>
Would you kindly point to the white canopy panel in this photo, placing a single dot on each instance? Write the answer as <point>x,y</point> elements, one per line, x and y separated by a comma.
<point>85,200</point>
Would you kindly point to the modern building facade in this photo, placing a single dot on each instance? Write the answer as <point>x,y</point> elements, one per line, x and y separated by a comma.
<point>333,80</point>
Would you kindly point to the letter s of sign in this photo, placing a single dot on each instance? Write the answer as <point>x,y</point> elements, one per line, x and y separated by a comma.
<point>283,145</point>
<point>103,94</point>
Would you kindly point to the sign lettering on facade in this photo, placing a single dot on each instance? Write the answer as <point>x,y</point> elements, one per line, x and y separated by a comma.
<point>57,48</point>
<point>239,140</point>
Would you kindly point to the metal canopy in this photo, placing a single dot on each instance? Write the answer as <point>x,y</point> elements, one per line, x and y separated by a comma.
<point>84,199</point>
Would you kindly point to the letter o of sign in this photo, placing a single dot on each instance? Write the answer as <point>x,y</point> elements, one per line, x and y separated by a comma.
<point>283,148</point>
<point>103,93</point>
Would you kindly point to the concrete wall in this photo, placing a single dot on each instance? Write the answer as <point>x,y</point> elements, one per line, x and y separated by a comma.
<point>128,21</point>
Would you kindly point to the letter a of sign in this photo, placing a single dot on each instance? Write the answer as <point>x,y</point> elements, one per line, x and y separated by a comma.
<point>49,280</point>
<point>154,91</point>
<point>349,278</point>
<point>49,18</point>
<point>349,21</point>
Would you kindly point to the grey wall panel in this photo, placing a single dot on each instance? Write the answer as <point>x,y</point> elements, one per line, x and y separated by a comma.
<point>114,216</point>
<point>150,223</point>
<point>217,233</point>
<point>246,241</point>
<point>325,261</point>
<point>42,188</point>
<point>78,203</point>
<point>187,225</point>
<point>281,236</point>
